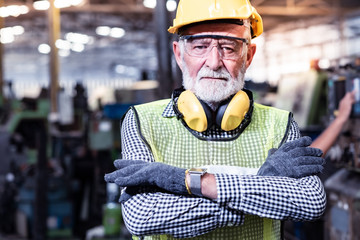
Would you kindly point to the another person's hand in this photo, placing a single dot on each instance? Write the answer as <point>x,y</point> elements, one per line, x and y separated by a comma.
<point>345,106</point>
<point>293,159</point>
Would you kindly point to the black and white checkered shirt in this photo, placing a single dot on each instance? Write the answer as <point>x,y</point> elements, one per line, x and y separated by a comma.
<point>153,212</point>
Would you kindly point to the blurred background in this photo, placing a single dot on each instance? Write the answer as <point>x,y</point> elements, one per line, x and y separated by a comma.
<point>69,70</point>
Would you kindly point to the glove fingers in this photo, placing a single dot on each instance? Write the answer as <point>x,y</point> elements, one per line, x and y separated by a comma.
<point>303,171</point>
<point>120,163</point>
<point>131,181</point>
<point>130,171</point>
<point>300,142</point>
<point>123,172</point>
<point>305,151</point>
<point>110,177</point>
<point>303,161</point>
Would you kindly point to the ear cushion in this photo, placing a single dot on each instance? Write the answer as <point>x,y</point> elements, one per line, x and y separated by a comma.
<point>193,111</point>
<point>231,113</point>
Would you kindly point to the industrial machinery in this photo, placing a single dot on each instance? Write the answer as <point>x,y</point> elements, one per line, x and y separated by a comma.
<point>343,211</point>
<point>51,180</point>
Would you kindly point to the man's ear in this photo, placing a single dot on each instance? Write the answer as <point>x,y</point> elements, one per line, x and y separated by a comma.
<point>250,54</point>
<point>177,54</point>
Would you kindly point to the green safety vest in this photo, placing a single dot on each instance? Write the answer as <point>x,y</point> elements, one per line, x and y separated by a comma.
<point>170,142</point>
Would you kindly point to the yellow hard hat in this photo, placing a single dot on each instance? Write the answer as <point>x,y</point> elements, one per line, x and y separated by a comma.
<point>193,11</point>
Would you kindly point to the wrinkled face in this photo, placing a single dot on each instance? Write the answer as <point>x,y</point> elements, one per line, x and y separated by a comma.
<point>214,76</point>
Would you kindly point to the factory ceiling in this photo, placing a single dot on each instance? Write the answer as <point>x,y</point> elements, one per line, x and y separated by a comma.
<point>138,47</point>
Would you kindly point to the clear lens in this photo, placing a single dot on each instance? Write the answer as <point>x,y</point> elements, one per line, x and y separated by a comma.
<point>230,48</point>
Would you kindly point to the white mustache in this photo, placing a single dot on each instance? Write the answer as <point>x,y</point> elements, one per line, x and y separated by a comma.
<point>208,73</point>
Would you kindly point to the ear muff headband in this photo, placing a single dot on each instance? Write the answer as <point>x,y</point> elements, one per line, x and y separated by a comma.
<point>198,115</point>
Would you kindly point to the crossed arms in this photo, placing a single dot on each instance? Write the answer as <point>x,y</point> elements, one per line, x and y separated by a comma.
<point>150,211</point>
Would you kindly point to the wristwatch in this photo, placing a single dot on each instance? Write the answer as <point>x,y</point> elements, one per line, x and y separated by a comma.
<point>195,180</point>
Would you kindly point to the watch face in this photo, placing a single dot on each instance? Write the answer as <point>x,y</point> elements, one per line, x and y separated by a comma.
<point>197,170</point>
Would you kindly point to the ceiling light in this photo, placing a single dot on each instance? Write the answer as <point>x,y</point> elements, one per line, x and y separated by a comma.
<point>64,52</point>
<point>77,47</point>
<point>117,32</point>
<point>149,3</point>
<point>6,35</point>
<point>62,3</point>
<point>103,30</point>
<point>41,5</point>
<point>45,4</point>
<point>18,30</point>
<point>62,44</point>
<point>171,5</point>
<point>13,10</point>
<point>23,9</point>
<point>77,38</point>
<point>77,2</point>
<point>44,48</point>
<point>6,38</point>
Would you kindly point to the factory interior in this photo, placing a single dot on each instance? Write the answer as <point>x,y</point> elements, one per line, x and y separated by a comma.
<point>70,69</point>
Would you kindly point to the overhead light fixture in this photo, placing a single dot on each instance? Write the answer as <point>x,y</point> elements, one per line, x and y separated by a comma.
<point>7,35</point>
<point>44,48</point>
<point>41,5</point>
<point>115,32</point>
<point>149,3</point>
<point>171,5</point>
<point>77,2</point>
<point>45,4</point>
<point>64,52</point>
<point>103,30</point>
<point>62,3</point>
<point>13,10</point>
<point>78,38</point>
<point>18,30</point>
<point>63,44</point>
<point>77,47</point>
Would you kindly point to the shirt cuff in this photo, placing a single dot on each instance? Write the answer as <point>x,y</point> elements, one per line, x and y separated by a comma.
<point>228,190</point>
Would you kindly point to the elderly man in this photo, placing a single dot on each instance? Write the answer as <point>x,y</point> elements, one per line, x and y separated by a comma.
<point>252,168</point>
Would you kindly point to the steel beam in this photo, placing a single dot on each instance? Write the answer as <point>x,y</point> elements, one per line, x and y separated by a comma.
<point>54,34</point>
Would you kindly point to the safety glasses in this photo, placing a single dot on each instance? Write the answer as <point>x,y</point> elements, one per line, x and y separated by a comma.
<point>229,48</point>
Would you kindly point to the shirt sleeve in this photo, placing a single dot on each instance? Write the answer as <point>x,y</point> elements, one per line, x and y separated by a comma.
<point>280,198</point>
<point>152,212</point>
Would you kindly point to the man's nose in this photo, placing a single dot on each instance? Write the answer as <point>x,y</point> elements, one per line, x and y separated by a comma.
<point>214,59</point>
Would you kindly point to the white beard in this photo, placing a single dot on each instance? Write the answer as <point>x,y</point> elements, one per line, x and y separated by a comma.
<point>213,92</point>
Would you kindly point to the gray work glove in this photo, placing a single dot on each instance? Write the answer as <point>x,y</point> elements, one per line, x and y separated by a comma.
<point>137,173</point>
<point>293,159</point>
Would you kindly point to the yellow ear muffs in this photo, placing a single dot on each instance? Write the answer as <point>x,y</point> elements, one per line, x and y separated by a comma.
<point>230,115</point>
<point>193,111</point>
